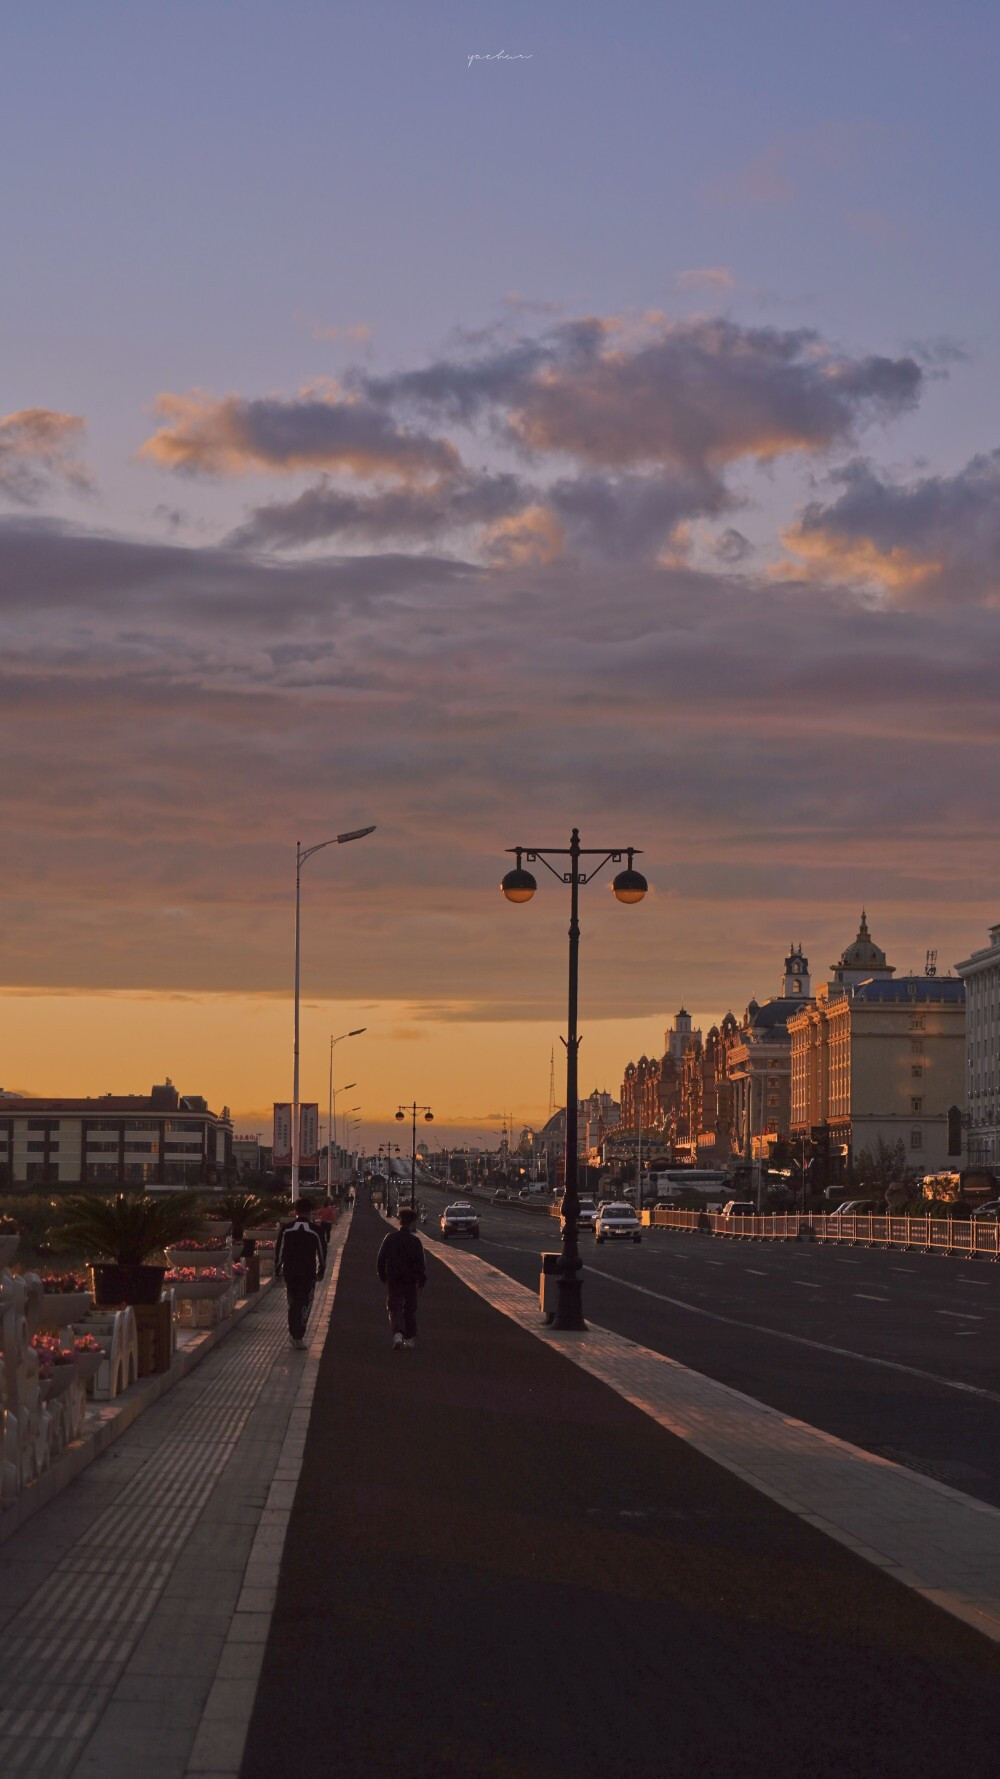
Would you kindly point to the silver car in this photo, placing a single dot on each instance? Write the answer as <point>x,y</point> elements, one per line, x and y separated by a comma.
<point>459,1219</point>
<point>617,1223</point>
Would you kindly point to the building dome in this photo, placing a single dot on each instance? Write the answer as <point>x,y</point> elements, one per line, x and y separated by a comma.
<point>863,954</point>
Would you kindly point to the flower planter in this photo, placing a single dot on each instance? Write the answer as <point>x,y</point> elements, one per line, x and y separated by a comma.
<point>8,1248</point>
<point>213,1228</point>
<point>88,1365</point>
<point>199,1256</point>
<point>199,1287</point>
<point>59,1308</point>
<point>127,1284</point>
<point>61,1379</point>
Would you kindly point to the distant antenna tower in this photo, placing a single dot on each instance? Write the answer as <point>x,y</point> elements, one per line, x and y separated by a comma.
<point>930,963</point>
<point>552,1082</point>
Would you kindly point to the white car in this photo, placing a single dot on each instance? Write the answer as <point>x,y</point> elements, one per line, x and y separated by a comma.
<point>617,1223</point>
<point>459,1219</point>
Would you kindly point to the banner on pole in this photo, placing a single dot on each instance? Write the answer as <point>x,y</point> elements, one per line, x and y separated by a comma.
<point>308,1134</point>
<point>282,1134</point>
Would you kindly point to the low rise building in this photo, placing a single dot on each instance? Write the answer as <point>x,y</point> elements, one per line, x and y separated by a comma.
<point>162,1138</point>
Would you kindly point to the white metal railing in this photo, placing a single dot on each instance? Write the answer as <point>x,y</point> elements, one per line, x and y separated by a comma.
<point>945,1235</point>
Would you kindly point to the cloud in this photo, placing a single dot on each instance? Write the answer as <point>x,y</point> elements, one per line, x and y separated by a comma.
<point>233,435</point>
<point>933,540</point>
<point>357,333</point>
<point>700,393</point>
<point>181,713</point>
<point>409,512</point>
<point>619,517</point>
<point>39,453</point>
<point>705,278</point>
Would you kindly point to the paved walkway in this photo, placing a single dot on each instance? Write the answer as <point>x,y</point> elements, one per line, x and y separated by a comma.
<point>505,1555</point>
<point>121,1600</point>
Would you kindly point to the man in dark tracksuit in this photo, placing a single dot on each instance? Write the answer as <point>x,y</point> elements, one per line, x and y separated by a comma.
<point>300,1258</point>
<point>401,1268</point>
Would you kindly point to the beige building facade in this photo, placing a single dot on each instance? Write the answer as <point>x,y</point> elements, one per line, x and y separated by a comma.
<point>874,1058</point>
<point>981,975</point>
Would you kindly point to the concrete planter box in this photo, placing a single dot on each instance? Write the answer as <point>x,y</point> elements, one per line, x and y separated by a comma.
<point>199,1287</point>
<point>59,1308</point>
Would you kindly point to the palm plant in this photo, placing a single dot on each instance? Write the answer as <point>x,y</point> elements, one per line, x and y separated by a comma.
<point>244,1210</point>
<point>126,1230</point>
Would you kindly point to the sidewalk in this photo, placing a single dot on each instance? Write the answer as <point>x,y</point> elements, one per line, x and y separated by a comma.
<point>120,1600</point>
<point>495,1565</point>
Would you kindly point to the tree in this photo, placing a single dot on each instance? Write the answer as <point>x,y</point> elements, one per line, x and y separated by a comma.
<point>880,1166</point>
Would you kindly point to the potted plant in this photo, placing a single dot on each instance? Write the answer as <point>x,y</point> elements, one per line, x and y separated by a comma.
<point>122,1235</point>
<point>243,1210</point>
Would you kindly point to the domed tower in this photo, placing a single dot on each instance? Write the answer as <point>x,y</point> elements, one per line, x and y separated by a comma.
<point>862,960</point>
<point>796,984</point>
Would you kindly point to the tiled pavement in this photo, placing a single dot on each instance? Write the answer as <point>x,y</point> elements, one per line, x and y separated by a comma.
<point>133,1607</point>
<point>943,1544</point>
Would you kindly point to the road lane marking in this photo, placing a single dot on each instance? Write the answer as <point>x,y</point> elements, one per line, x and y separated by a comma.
<point>808,1283</point>
<point>802,1340</point>
<point>909,1269</point>
<point>756,1274</point>
<point>960,1315</point>
<point>962,1281</point>
<point>868,1297</point>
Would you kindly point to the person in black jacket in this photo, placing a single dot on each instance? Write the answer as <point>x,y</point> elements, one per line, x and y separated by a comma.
<point>401,1268</point>
<point>299,1258</point>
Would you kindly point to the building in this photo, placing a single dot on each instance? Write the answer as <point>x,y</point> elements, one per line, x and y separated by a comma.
<point>981,976</point>
<point>758,1062</point>
<point>875,1059</point>
<point>162,1138</point>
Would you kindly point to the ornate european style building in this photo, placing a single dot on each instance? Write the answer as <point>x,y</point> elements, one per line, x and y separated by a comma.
<point>981,975</point>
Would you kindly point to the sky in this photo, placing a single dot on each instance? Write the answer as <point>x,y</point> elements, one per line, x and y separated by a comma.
<point>480,421</point>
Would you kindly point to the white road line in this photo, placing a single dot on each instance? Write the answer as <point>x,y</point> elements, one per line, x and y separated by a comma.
<point>756,1274</point>
<point>808,1283</point>
<point>909,1269</point>
<point>802,1340</point>
<point>962,1281</point>
<point>870,1299</point>
<point>960,1315</point>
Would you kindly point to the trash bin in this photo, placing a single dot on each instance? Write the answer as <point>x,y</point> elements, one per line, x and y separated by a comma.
<point>548,1285</point>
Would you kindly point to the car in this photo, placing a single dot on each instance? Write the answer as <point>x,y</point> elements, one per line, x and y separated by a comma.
<point>500,1196</point>
<point>617,1223</point>
<point>989,1212</point>
<point>855,1207</point>
<point>586,1214</point>
<point>739,1207</point>
<point>459,1219</point>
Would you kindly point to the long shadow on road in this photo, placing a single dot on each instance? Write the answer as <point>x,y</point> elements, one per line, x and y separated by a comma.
<point>496,1567</point>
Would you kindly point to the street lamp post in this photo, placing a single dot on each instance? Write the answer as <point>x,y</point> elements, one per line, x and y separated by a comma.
<point>519,886</point>
<point>302,853</point>
<point>331,1171</point>
<point>428,1119</point>
<point>356,1033</point>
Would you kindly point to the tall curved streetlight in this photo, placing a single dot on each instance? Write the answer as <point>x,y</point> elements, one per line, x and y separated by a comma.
<point>628,886</point>
<point>302,853</point>
<point>405,1112</point>
<point>356,1033</point>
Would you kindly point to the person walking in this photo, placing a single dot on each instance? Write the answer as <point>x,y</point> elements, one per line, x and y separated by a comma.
<point>401,1268</point>
<point>300,1259</point>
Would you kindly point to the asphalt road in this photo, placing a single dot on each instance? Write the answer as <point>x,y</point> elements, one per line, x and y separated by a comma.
<point>897,1352</point>
<point>496,1568</point>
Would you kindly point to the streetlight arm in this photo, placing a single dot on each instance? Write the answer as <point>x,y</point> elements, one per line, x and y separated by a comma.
<point>306,852</point>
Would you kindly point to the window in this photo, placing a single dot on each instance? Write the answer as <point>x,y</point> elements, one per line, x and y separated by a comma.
<point>916,1069</point>
<point>916,1139</point>
<point>917,1022</point>
<point>916,1105</point>
<point>916,1046</point>
<point>38,1124</point>
<point>136,1148</point>
<point>35,1148</point>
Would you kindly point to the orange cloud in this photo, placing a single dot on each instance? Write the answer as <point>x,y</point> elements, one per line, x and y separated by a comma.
<point>534,536</point>
<point>233,435</point>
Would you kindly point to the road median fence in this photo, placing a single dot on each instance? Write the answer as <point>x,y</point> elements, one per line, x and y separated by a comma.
<point>945,1235</point>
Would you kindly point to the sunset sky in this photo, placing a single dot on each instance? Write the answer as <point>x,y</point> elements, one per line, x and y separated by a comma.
<point>601,433</point>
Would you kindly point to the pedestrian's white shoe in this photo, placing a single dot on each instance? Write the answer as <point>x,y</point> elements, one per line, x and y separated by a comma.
<point>410,1343</point>
<point>397,1342</point>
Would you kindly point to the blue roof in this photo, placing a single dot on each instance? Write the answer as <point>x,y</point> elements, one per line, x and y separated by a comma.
<point>942,989</point>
